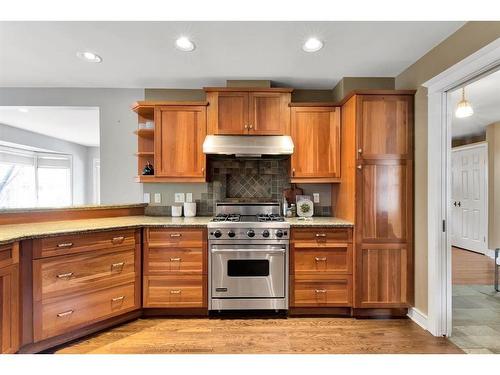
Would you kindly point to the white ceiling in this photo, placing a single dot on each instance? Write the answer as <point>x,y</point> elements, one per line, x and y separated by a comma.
<point>73,124</point>
<point>142,54</point>
<point>484,97</point>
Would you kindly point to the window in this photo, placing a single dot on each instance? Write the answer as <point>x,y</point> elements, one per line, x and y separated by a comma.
<point>34,179</point>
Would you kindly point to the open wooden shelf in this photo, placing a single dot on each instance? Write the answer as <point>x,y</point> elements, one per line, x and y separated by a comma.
<point>147,133</point>
<point>153,178</point>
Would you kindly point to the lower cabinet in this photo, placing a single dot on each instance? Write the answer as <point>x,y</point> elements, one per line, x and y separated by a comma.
<point>321,265</point>
<point>175,268</point>
<point>92,278</point>
<point>9,298</point>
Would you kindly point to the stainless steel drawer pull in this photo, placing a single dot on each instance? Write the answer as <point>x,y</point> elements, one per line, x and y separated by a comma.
<point>320,235</point>
<point>116,265</point>
<point>175,259</point>
<point>320,290</point>
<point>178,291</point>
<point>175,235</point>
<point>320,259</point>
<point>64,275</point>
<point>116,299</point>
<point>67,244</point>
<point>118,239</point>
<point>66,313</point>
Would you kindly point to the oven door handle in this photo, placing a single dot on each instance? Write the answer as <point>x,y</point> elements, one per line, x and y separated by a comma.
<point>272,250</point>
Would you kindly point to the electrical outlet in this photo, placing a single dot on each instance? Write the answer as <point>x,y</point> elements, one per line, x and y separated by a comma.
<point>316,197</point>
<point>146,198</point>
<point>189,197</point>
<point>157,197</point>
<point>179,197</point>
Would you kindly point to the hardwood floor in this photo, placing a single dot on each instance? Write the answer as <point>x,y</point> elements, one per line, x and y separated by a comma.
<point>472,268</point>
<point>271,336</point>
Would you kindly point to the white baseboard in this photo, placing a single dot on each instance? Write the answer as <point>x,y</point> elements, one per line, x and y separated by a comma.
<point>418,317</point>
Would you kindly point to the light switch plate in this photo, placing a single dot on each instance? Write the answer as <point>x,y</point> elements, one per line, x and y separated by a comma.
<point>157,197</point>
<point>189,197</point>
<point>179,197</point>
<point>316,197</point>
<point>146,198</point>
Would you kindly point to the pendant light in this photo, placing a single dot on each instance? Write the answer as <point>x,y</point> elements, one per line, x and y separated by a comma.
<point>464,108</point>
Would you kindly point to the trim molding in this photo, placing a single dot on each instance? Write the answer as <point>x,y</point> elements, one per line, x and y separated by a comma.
<point>418,317</point>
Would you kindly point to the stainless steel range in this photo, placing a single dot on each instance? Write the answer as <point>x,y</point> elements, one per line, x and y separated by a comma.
<point>248,246</point>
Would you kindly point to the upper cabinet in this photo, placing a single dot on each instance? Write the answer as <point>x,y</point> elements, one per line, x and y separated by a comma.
<point>170,137</point>
<point>244,111</point>
<point>315,131</point>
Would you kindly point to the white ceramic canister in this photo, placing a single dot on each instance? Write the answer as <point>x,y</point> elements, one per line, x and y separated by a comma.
<point>176,211</point>
<point>189,209</point>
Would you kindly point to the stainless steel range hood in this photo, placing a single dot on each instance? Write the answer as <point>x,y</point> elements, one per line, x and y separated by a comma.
<point>248,145</point>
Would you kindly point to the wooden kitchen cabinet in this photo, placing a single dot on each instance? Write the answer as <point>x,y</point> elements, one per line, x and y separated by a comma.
<point>377,193</point>
<point>248,111</point>
<point>316,137</point>
<point>178,143</point>
<point>175,268</point>
<point>321,265</point>
<point>9,298</point>
<point>82,279</point>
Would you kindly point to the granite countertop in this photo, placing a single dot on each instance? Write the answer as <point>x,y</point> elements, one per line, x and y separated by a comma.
<point>71,208</point>
<point>17,232</point>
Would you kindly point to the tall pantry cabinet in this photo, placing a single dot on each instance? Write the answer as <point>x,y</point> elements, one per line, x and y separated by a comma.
<point>376,192</point>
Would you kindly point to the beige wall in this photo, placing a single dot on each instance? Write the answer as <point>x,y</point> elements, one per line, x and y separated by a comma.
<point>467,40</point>
<point>493,140</point>
<point>348,84</point>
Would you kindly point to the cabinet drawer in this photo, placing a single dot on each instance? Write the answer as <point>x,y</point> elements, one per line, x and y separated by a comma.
<point>71,274</point>
<point>317,236</point>
<point>175,291</point>
<point>175,237</point>
<point>9,254</point>
<point>333,259</point>
<point>160,260</point>
<point>67,313</point>
<point>335,291</point>
<point>78,243</point>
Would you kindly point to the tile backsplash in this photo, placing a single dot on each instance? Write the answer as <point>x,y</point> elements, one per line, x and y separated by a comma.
<point>243,180</point>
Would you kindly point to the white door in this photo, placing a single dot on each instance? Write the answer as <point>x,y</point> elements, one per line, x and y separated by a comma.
<point>469,198</point>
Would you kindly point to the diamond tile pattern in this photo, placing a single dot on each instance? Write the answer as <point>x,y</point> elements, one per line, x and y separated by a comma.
<point>249,186</point>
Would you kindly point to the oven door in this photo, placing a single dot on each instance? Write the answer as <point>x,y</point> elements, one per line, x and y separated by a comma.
<point>248,271</point>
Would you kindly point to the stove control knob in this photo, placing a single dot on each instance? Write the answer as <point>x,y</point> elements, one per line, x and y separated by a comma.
<point>265,233</point>
<point>250,233</point>
<point>217,234</point>
<point>279,233</point>
<point>231,233</point>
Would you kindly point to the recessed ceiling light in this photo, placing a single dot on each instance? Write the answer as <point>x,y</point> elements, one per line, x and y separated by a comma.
<point>312,45</point>
<point>184,44</point>
<point>89,57</point>
<point>23,110</point>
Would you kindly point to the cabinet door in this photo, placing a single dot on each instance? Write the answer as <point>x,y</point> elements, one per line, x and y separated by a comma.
<point>316,137</point>
<point>385,278</point>
<point>232,113</point>
<point>180,132</point>
<point>9,309</point>
<point>385,129</point>
<point>268,113</point>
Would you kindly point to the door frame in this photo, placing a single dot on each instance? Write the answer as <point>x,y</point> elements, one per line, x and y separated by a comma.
<point>439,289</point>
<point>483,145</point>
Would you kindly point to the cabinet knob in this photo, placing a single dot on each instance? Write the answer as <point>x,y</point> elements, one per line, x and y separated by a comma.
<point>293,171</point>
<point>63,245</point>
<point>320,259</point>
<point>175,235</point>
<point>116,265</point>
<point>360,167</point>
<point>250,127</point>
<point>320,290</point>
<point>175,259</point>
<point>118,239</point>
<point>360,151</point>
<point>116,299</point>
<point>66,313</point>
<point>178,291</point>
<point>246,126</point>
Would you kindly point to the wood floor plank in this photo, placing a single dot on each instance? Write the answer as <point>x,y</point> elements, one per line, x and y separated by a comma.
<point>270,336</point>
<point>472,268</point>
